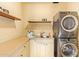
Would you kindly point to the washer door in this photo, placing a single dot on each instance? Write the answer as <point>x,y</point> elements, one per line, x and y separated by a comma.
<point>69,50</point>
<point>69,23</point>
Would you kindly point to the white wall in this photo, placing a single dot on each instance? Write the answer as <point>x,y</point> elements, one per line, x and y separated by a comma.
<point>13,7</point>
<point>11,33</point>
<point>41,10</point>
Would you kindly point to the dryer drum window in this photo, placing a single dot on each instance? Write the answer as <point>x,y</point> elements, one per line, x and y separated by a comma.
<point>69,23</point>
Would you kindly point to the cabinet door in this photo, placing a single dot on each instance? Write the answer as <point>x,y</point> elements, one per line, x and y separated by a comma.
<point>41,48</point>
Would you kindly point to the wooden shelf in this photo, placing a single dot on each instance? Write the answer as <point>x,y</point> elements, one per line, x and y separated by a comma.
<point>8,16</point>
<point>39,21</point>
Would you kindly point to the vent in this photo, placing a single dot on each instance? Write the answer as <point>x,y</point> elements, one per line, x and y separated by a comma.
<point>55,2</point>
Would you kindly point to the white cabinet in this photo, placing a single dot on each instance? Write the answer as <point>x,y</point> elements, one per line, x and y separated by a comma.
<point>41,47</point>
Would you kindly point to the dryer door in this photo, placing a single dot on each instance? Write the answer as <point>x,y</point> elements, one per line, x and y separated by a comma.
<point>69,50</point>
<point>69,23</point>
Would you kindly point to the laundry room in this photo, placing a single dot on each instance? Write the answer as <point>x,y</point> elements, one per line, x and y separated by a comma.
<point>39,29</point>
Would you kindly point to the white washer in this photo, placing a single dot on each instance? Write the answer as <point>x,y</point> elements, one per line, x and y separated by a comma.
<point>69,50</point>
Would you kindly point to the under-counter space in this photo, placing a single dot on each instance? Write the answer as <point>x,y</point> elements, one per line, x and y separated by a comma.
<point>15,47</point>
<point>42,47</point>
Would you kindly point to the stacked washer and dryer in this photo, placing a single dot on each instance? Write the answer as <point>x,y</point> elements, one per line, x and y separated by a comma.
<point>65,29</point>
